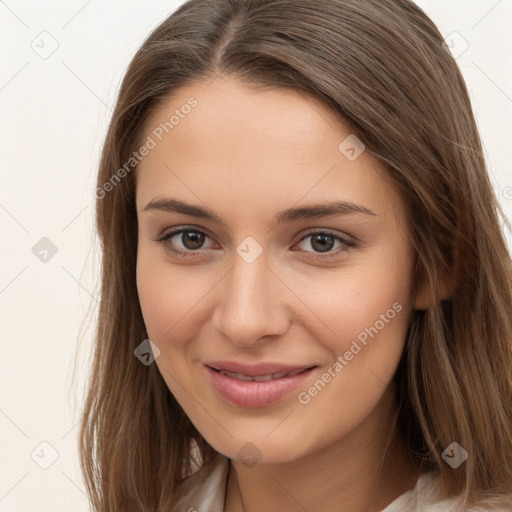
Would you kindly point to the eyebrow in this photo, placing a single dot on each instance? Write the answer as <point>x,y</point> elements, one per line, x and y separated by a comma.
<point>312,211</point>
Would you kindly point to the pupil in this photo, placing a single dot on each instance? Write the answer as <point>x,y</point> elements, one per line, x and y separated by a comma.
<point>193,240</point>
<point>323,246</point>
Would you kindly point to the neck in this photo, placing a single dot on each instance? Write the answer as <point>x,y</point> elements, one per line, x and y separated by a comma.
<point>361,472</point>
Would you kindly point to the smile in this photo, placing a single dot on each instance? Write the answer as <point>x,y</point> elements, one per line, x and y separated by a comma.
<point>256,387</point>
<point>260,378</point>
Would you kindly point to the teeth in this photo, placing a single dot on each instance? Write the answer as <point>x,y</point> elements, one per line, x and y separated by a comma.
<point>235,375</point>
<point>261,378</point>
<point>240,376</point>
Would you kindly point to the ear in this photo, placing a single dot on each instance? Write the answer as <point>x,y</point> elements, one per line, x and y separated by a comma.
<point>424,297</point>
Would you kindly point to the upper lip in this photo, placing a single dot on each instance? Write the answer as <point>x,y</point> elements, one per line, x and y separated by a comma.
<point>257,370</point>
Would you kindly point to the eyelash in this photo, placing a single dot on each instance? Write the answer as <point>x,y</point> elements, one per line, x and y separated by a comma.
<point>347,244</point>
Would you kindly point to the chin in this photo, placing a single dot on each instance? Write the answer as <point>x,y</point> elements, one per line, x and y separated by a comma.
<point>259,450</point>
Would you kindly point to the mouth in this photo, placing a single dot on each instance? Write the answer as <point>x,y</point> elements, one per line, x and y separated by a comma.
<point>261,378</point>
<point>256,386</point>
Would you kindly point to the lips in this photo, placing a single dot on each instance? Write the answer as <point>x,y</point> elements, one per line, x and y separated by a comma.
<point>260,378</point>
<point>257,370</point>
<point>258,385</point>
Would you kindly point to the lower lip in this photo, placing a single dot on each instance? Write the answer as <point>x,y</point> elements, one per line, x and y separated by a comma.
<point>252,394</point>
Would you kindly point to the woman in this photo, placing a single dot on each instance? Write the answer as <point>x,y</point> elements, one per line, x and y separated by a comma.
<point>294,208</point>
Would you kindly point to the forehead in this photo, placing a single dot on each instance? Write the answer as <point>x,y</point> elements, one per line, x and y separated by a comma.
<point>224,141</point>
<point>231,114</point>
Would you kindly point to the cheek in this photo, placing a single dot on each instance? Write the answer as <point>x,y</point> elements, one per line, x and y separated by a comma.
<point>368,308</point>
<point>350,300</point>
<point>168,298</point>
<point>373,322</point>
<point>171,308</point>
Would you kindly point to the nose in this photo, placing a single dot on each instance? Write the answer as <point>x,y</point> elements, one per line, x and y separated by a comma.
<point>251,305</point>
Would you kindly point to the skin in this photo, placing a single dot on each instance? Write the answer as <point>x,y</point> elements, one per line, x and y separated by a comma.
<point>248,154</point>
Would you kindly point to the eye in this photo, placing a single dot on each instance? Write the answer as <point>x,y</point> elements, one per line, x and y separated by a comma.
<point>192,243</point>
<point>191,239</point>
<point>324,241</point>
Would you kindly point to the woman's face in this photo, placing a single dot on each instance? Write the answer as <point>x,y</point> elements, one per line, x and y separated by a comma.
<point>262,286</point>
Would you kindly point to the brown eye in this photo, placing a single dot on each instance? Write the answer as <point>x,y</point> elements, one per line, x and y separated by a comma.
<point>323,242</point>
<point>191,241</point>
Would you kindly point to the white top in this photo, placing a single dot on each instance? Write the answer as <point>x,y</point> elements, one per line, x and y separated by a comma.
<point>204,491</point>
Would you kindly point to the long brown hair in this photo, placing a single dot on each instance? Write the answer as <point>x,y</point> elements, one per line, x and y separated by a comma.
<point>382,68</point>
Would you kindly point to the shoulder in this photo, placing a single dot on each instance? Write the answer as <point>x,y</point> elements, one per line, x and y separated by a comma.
<point>426,497</point>
<point>204,490</point>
